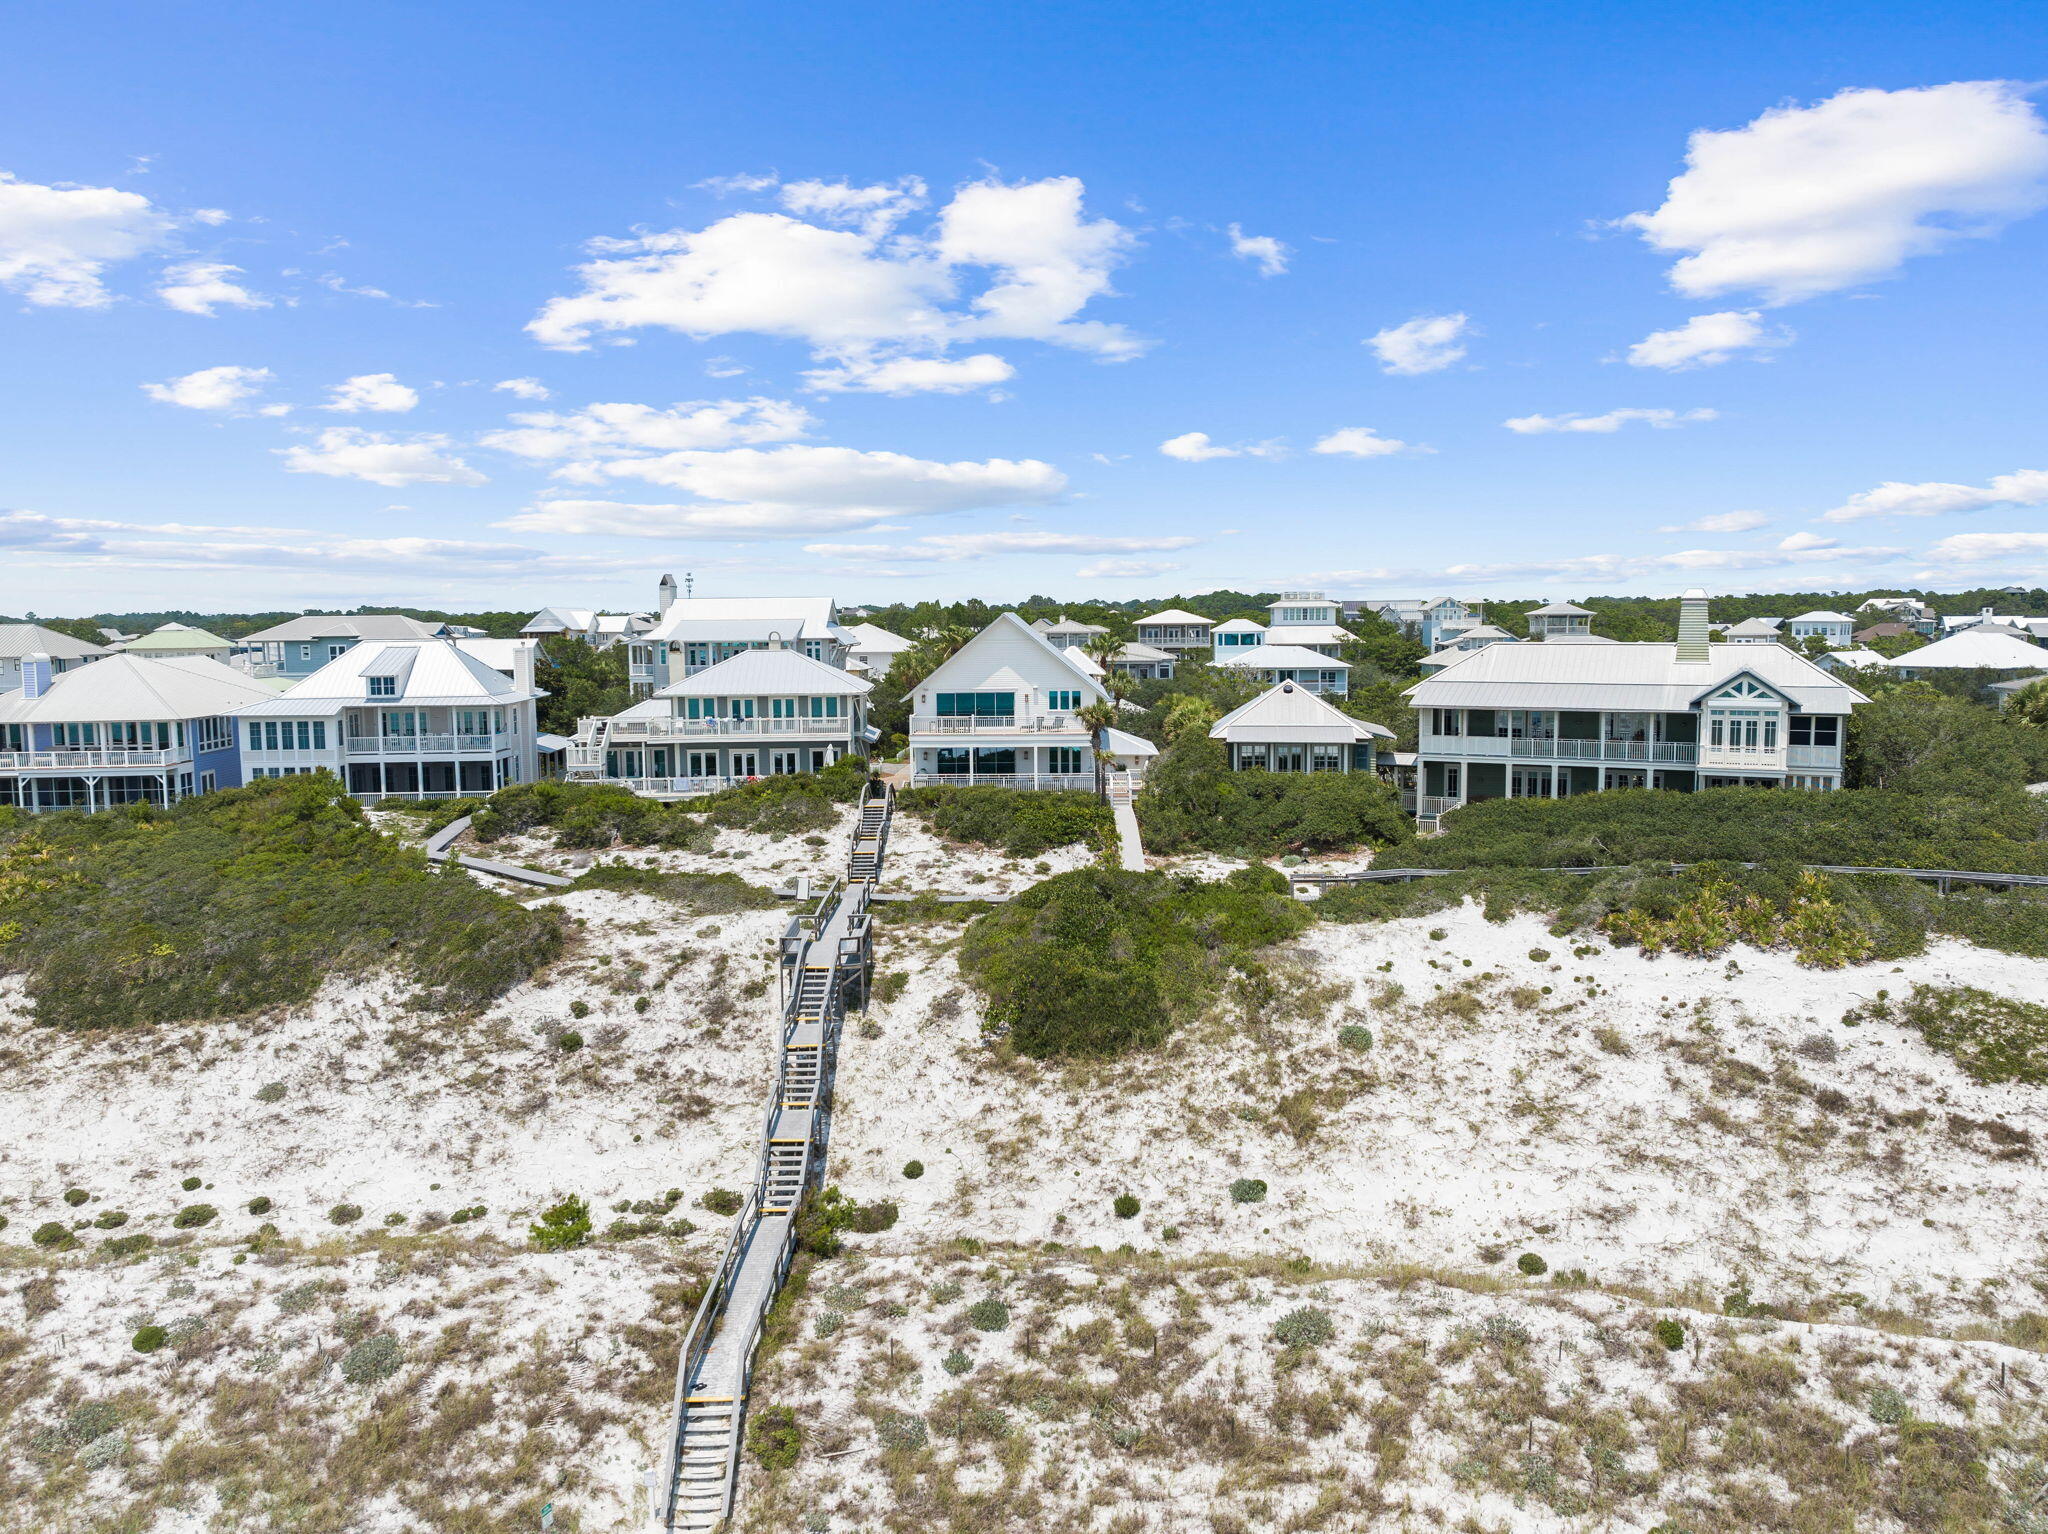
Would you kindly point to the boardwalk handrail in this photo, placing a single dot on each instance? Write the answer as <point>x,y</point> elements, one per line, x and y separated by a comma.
<point>1942,876</point>
<point>697,1343</point>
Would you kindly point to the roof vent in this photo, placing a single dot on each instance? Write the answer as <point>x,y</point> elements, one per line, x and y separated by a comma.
<point>1693,647</point>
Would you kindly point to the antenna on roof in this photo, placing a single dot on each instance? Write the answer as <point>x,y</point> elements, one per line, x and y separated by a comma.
<point>689,585</point>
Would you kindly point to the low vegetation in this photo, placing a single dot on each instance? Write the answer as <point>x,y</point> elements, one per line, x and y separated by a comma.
<point>609,815</point>
<point>1099,961</point>
<point>701,894</point>
<point>234,901</point>
<point>1023,822</point>
<point>1992,1037</point>
<point>1192,802</point>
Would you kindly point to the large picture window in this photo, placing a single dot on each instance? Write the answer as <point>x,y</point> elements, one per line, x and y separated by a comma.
<point>1815,730</point>
<point>958,705</point>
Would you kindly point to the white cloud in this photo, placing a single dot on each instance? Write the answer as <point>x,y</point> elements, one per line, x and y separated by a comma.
<point>200,287</point>
<point>952,547</point>
<point>220,388</point>
<point>2026,487</point>
<point>726,185</point>
<point>340,284</point>
<point>1808,200</point>
<point>999,261</point>
<point>612,430</point>
<point>349,452</point>
<point>1721,522</point>
<point>911,375</point>
<point>1359,442</point>
<point>57,241</point>
<point>1706,340</point>
<point>723,367</point>
<point>1424,345</point>
<point>792,491</point>
<point>876,209</point>
<point>523,388</point>
<point>1125,569</point>
<point>1268,253</point>
<point>1613,421</point>
<point>378,392</point>
<point>1195,447</point>
<point>1799,543</point>
<point>1981,548</point>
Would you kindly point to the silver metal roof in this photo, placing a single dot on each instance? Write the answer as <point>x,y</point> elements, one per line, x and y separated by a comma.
<point>1287,713</point>
<point>1629,677</point>
<point>761,673</point>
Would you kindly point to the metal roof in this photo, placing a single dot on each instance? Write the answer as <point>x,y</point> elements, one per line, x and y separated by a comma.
<point>1307,634</point>
<point>17,639</point>
<point>138,687</point>
<point>1986,648</point>
<point>1821,615</point>
<point>1279,657</point>
<point>1177,615</point>
<point>1756,626</point>
<point>726,617</point>
<point>1560,610</point>
<point>1141,652</point>
<point>761,673</point>
<point>1240,626</point>
<point>1630,677</point>
<point>1286,713</point>
<point>174,639</point>
<point>430,673</point>
<point>355,626</point>
<point>865,636</point>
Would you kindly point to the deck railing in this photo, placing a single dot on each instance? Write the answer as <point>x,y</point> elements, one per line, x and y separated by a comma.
<point>92,756</point>
<point>976,724</point>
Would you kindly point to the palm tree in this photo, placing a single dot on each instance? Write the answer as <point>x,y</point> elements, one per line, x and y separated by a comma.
<point>1098,717</point>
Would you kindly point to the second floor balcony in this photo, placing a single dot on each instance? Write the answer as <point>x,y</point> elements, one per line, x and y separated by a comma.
<point>1553,748</point>
<point>988,724</point>
<point>426,745</point>
<point>620,731</point>
<point>86,757</point>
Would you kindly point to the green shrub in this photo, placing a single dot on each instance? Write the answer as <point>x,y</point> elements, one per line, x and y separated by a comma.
<point>75,1196</point>
<point>699,894</point>
<point>989,1315</point>
<point>345,1214</point>
<point>273,1093</point>
<point>1193,802</point>
<point>569,1042</point>
<point>373,1359</point>
<point>148,1339</point>
<point>1099,961</point>
<point>1532,1265</point>
<point>1307,1327</point>
<point>1991,1037</point>
<point>1352,1036</point>
<point>1248,1190</point>
<point>1670,1333</point>
<point>913,1169</point>
<point>279,886</point>
<point>259,1205</point>
<point>901,1430</point>
<point>774,1438</point>
<point>889,985</point>
<point>824,1216</point>
<point>722,1201</point>
<point>1023,822</point>
<point>956,1362</point>
<point>53,1234</point>
<point>1886,1405</point>
<point>190,1184</point>
<point>563,1226</point>
<point>110,1219</point>
<point>194,1215</point>
<point>1126,1206</point>
<point>128,1246</point>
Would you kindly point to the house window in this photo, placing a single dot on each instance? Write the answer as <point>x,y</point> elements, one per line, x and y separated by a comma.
<point>1063,702</point>
<point>1064,759</point>
<point>956,705</point>
<point>700,708</point>
<point>383,686</point>
<point>1816,730</point>
<point>336,651</point>
<point>825,708</point>
<point>305,652</point>
<point>782,708</point>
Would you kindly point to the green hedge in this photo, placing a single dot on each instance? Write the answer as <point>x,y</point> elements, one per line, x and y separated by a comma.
<point>703,894</point>
<point>234,901</point>
<point>1193,802</point>
<point>608,815</point>
<point>1023,822</point>
<point>1099,961</point>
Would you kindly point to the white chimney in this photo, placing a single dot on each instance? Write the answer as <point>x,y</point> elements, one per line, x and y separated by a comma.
<point>35,675</point>
<point>1693,647</point>
<point>667,588</point>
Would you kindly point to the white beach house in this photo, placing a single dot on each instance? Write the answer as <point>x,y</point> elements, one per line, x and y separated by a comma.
<point>62,653</point>
<point>1273,663</point>
<point>1289,729</point>
<point>695,633</point>
<point>1543,720</point>
<point>1560,620</point>
<point>1001,710</point>
<point>1177,630</point>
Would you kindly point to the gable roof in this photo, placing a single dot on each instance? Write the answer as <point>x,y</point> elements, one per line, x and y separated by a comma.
<point>866,636</point>
<point>138,687</point>
<point>339,626</point>
<point>763,672</point>
<point>1286,712</point>
<point>1560,610</point>
<point>1281,657</point>
<point>430,673</point>
<point>1142,653</point>
<point>1756,626</point>
<point>1074,661</point>
<point>1177,615</point>
<point>1631,677</point>
<point>1240,626</point>
<point>19,639</point>
<point>1856,660</point>
<point>749,618</point>
<point>173,638</point>
<point>1987,647</point>
<point>1821,615</point>
<point>555,620</point>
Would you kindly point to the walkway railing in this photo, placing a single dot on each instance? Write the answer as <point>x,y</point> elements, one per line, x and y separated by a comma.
<point>1940,877</point>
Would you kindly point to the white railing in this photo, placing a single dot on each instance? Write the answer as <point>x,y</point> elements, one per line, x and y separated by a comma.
<point>639,730</point>
<point>93,756</point>
<point>425,793</point>
<point>1559,750</point>
<point>1743,758</point>
<point>421,745</point>
<point>976,724</point>
<point>672,787</point>
<point>1813,756</point>
<point>1076,780</point>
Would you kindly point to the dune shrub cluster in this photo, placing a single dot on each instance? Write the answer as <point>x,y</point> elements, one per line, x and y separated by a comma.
<point>609,815</point>
<point>1023,822</point>
<point>1193,802</point>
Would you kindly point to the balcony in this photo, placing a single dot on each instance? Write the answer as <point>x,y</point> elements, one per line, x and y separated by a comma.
<point>1501,746</point>
<point>1807,758</point>
<point>638,731</point>
<point>91,757</point>
<point>988,724</point>
<point>424,745</point>
<point>1744,759</point>
<point>1082,781</point>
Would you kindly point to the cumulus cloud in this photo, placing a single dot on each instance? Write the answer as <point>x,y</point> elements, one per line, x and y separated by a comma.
<point>1010,261</point>
<point>952,547</point>
<point>1799,543</point>
<point>616,430</point>
<point>911,375</point>
<point>1983,548</point>
<point>1427,344</point>
<point>523,388</point>
<point>376,392</point>
<point>57,241</point>
<point>1613,421</point>
<point>1195,447</point>
<point>1721,522</point>
<point>1808,200</point>
<point>1359,442</point>
<point>201,287</point>
<point>2024,487</point>
<point>793,491</point>
<point>1125,569</point>
<point>221,388</point>
<point>1267,253</point>
<point>1707,340</point>
<point>349,452</point>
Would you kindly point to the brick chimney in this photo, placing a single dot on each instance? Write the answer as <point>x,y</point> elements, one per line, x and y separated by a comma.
<point>1693,649</point>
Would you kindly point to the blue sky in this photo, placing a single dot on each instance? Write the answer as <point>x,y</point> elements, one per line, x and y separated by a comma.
<point>319,305</point>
